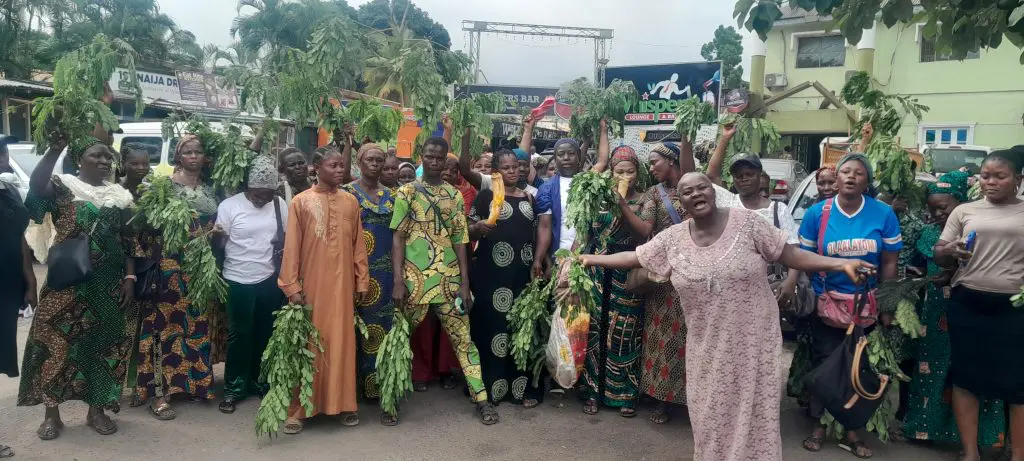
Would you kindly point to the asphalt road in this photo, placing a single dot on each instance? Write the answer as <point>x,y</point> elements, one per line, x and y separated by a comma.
<point>437,425</point>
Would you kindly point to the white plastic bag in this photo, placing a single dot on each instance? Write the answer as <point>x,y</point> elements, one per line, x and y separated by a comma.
<point>567,347</point>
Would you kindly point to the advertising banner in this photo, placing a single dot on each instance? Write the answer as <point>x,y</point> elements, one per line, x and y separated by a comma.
<point>204,90</point>
<point>517,98</point>
<point>662,87</point>
<point>154,85</point>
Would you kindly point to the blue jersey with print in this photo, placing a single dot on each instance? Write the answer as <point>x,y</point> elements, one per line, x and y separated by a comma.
<point>863,234</point>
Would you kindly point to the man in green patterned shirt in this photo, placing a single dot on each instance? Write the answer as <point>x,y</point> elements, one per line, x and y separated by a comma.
<point>431,264</point>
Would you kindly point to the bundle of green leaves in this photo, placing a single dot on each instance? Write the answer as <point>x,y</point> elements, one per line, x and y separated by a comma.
<point>692,114</point>
<point>394,364</point>
<point>579,297</point>
<point>748,130</point>
<point>894,169</point>
<point>287,365</point>
<point>529,321</point>
<point>79,81</point>
<point>477,114</point>
<point>899,297</point>
<point>884,112</point>
<point>592,104</point>
<point>590,194</point>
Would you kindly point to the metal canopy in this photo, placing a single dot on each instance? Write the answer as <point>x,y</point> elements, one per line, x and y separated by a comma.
<point>599,36</point>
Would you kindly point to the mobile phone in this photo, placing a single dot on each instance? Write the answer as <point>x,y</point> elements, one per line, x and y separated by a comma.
<point>972,238</point>
<point>458,306</point>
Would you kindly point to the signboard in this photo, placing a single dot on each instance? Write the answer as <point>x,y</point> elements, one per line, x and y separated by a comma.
<point>662,87</point>
<point>205,90</point>
<point>503,130</point>
<point>154,86</point>
<point>517,98</point>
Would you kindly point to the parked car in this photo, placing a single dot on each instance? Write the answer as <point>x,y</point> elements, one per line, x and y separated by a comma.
<point>947,158</point>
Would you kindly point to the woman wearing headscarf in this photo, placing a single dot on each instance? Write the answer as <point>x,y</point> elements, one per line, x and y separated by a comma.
<point>826,182</point>
<point>504,255</point>
<point>376,202</point>
<point>663,371</point>
<point>611,375</point>
<point>82,332</point>
<point>175,341</point>
<point>406,173</point>
<point>851,226</point>
<point>717,261</point>
<point>930,413</point>
<point>984,242</point>
<point>252,225</point>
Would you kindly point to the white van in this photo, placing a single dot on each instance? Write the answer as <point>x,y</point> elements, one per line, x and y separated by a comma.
<point>161,157</point>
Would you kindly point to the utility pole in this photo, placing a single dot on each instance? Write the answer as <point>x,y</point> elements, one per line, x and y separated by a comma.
<point>601,38</point>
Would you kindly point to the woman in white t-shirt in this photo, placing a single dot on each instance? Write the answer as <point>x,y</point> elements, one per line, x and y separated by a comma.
<point>251,225</point>
<point>746,171</point>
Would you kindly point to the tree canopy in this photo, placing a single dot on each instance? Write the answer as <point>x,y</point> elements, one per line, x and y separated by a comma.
<point>727,46</point>
<point>381,14</point>
<point>957,26</point>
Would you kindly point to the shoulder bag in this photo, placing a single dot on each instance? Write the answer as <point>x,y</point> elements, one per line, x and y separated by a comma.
<point>641,280</point>
<point>838,310</point>
<point>278,241</point>
<point>69,263</point>
<point>845,383</point>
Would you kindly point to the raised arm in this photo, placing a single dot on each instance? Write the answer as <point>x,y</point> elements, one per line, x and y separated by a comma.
<point>805,261</point>
<point>446,133</point>
<point>39,183</point>
<point>602,149</point>
<point>346,153</point>
<point>686,161</point>
<point>466,162</point>
<point>257,142</point>
<point>866,133</point>
<point>717,160</point>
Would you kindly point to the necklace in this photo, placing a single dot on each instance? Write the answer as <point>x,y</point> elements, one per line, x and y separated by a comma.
<point>705,272</point>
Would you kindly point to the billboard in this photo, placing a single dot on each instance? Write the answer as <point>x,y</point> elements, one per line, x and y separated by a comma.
<point>517,98</point>
<point>663,86</point>
<point>154,85</point>
<point>204,90</point>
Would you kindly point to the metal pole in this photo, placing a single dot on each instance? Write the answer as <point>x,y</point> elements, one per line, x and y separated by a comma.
<point>597,63</point>
<point>476,59</point>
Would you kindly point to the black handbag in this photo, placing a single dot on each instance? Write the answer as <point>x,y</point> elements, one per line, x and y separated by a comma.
<point>69,263</point>
<point>277,243</point>
<point>147,274</point>
<point>845,383</point>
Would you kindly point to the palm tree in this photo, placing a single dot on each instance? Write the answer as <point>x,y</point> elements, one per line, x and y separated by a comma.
<point>277,25</point>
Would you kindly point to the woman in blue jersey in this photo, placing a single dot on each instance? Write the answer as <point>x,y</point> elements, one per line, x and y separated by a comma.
<point>851,225</point>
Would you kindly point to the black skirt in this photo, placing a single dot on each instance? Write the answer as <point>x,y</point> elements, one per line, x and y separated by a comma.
<point>986,335</point>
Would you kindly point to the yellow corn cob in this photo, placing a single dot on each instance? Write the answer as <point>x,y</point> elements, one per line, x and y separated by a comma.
<point>498,187</point>
<point>623,187</point>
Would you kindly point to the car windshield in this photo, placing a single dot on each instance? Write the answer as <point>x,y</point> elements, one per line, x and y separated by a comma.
<point>808,197</point>
<point>27,160</point>
<point>946,160</point>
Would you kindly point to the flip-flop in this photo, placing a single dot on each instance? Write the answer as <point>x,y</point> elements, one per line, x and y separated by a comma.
<point>854,448</point>
<point>388,420</point>
<point>530,403</point>
<point>101,423</point>
<point>163,412</point>
<point>488,415</point>
<point>813,443</point>
<point>590,407</point>
<point>627,412</point>
<point>6,451</point>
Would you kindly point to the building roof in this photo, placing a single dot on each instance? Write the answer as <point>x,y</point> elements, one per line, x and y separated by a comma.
<point>792,15</point>
<point>23,85</point>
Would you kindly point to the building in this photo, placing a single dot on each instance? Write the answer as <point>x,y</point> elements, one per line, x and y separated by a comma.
<point>977,101</point>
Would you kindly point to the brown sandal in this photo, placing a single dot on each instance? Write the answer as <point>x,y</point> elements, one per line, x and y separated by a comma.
<point>6,451</point>
<point>590,407</point>
<point>388,420</point>
<point>350,419</point>
<point>488,415</point>
<point>50,429</point>
<point>292,426</point>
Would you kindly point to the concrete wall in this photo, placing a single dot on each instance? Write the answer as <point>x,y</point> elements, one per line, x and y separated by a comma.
<point>986,93</point>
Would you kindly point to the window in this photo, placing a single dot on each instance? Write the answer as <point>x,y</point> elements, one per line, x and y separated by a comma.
<point>952,135</point>
<point>930,54</point>
<point>826,51</point>
<point>152,144</point>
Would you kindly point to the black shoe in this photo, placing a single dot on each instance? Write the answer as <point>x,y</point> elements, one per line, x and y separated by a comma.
<point>227,406</point>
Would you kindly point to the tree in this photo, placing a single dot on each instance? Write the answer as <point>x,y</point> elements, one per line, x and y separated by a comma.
<point>381,14</point>
<point>278,25</point>
<point>727,46</point>
<point>957,26</point>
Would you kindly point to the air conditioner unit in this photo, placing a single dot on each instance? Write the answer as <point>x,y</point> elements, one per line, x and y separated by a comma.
<point>775,81</point>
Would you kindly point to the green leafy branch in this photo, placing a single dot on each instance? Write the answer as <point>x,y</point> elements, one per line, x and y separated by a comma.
<point>579,295</point>
<point>530,323</point>
<point>287,365</point>
<point>692,114</point>
<point>394,364</point>
<point>592,104</point>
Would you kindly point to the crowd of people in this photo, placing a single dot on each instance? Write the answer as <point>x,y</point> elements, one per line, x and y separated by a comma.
<point>689,274</point>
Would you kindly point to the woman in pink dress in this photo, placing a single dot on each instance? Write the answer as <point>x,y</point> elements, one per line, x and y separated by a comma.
<point>717,261</point>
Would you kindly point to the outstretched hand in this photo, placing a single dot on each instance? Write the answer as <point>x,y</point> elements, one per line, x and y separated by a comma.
<point>858,270</point>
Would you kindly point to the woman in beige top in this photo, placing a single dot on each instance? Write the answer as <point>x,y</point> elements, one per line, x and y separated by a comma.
<point>986,331</point>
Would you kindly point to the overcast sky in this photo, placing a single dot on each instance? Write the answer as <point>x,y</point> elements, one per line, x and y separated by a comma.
<point>646,32</point>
